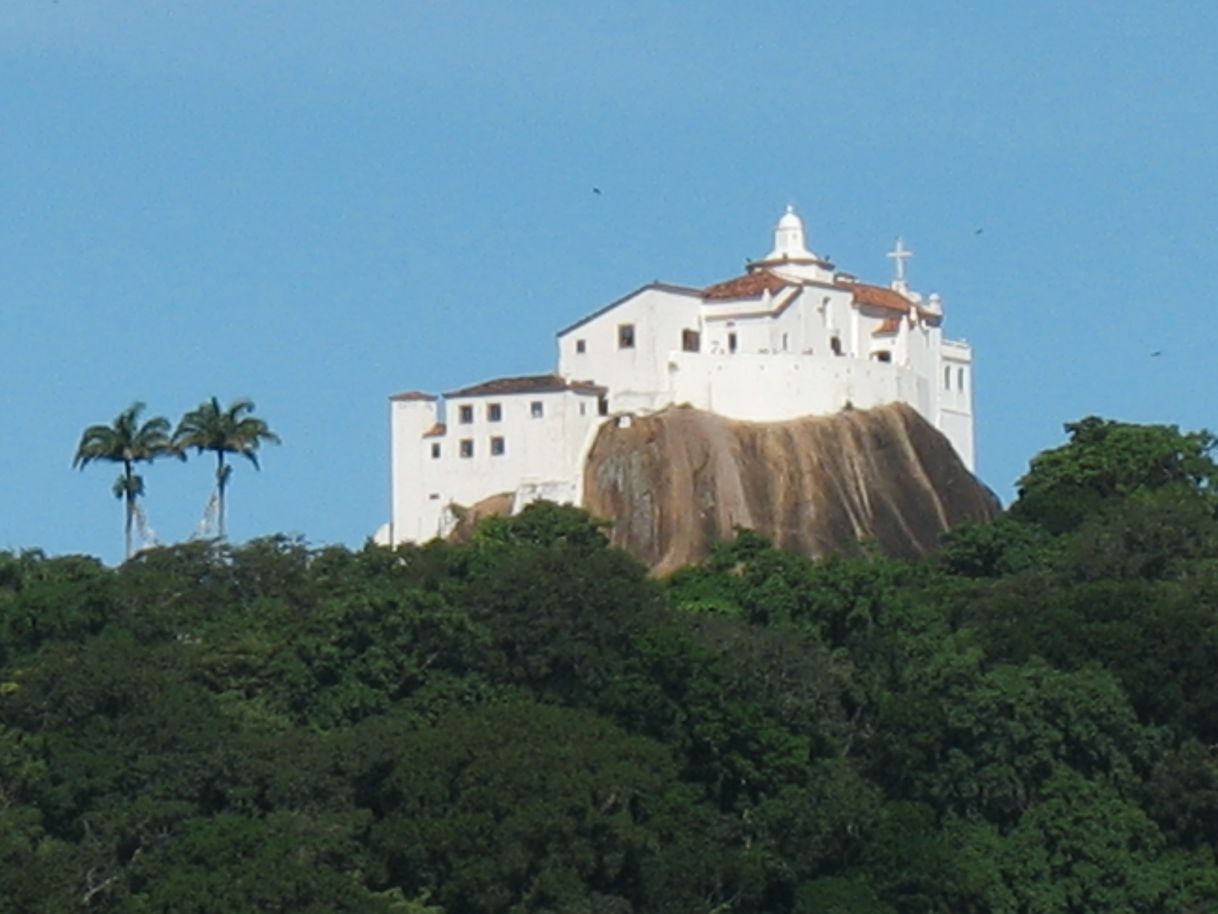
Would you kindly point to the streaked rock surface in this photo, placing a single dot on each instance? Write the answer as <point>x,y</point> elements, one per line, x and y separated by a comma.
<point>675,482</point>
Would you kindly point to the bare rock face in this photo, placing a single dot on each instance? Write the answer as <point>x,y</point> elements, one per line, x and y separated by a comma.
<point>468,519</point>
<point>676,482</point>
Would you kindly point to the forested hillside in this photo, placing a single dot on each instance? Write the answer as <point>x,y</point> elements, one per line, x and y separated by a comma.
<point>1026,721</point>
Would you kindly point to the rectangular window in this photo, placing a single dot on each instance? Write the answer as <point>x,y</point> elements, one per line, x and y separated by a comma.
<point>602,406</point>
<point>691,341</point>
<point>435,450</point>
<point>581,347</point>
<point>625,336</point>
<point>537,409</point>
<point>467,447</point>
<point>497,447</point>
<point>583,408</point>
<point>494,412</point>
<point>467,414</point>
<point>959,379</point>
<point>883,355</point>
<point>835,344</point>
<point>731,342</point>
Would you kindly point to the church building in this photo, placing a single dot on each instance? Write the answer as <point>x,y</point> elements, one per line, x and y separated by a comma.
<point>791,337</point>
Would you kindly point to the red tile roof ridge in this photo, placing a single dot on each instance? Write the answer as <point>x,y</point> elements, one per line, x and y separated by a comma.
<point>750,285</point>
<point>414,395</point>
<point>526,384</point>
<point>878,296</point>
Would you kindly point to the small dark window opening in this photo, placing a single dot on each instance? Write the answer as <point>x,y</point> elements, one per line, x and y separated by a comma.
<point>581,346</point>
<point>467,415</point>
<point>602,406</point>
<point>731,342</point>
<point>960,379</point>
<point>691,341</point>
<point>435,450</point>
<point>537,409</point>
<point>883,355</point>
<point>497,447</point>
<point>625,336</point>
<point>467,447</point>
<point>494,412</point>
<point>835,344</point>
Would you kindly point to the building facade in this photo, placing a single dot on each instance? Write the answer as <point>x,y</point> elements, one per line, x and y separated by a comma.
<point>793,336</point>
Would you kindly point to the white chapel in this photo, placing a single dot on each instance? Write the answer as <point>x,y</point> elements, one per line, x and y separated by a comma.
<point>793,336</point>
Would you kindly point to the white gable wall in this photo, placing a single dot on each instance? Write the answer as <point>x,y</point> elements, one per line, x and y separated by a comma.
<point>636,376</point>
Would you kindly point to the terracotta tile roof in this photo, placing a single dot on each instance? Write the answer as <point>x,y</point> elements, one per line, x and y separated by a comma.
<point>890,325</point>
<point>528,384</point>
<point>750,285</point>
<point>879,297</point>
<point>414,395</point>
<point>436,430</point>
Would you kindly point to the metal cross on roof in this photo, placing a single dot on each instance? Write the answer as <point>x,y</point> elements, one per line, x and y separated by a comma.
<point>900,255</point>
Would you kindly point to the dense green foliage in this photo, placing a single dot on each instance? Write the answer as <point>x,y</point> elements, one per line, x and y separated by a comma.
<point>1024,723</point>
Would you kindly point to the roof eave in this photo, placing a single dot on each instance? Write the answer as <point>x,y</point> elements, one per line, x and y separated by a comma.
<point>660,286</point>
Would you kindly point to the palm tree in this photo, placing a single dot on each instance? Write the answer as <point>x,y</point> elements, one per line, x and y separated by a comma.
<point>230,431</point>
<point>128,442</point>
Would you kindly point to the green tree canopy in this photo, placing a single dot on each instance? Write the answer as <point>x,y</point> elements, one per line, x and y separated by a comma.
<point>1104,459</point>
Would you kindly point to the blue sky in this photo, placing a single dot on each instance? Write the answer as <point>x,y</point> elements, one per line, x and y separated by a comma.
<point>317,204</point>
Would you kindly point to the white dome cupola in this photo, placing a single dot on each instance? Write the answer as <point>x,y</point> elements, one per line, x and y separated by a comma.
<point>789,241</point>
<point>790,256</point>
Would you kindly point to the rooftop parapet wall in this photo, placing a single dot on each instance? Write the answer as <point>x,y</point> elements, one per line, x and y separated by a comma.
<point>766,387</point>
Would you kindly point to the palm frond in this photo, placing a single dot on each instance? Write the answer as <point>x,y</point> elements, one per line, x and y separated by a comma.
<point>124,440</point>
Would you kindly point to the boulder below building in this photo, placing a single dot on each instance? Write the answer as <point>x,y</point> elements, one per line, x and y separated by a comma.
<point>676,482</point>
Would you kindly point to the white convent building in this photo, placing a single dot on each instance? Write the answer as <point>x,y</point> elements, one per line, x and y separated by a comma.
<point>791,337</point>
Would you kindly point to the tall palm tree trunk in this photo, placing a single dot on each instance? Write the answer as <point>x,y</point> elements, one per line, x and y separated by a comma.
<point>129,503</point>
<point>221,479</point>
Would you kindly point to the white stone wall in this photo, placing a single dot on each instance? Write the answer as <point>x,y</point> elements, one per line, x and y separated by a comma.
<point>953,381</point>
<point>542,455</point>
<point>636,376</point>
<point>772,387</point>
<point>414,517</point>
